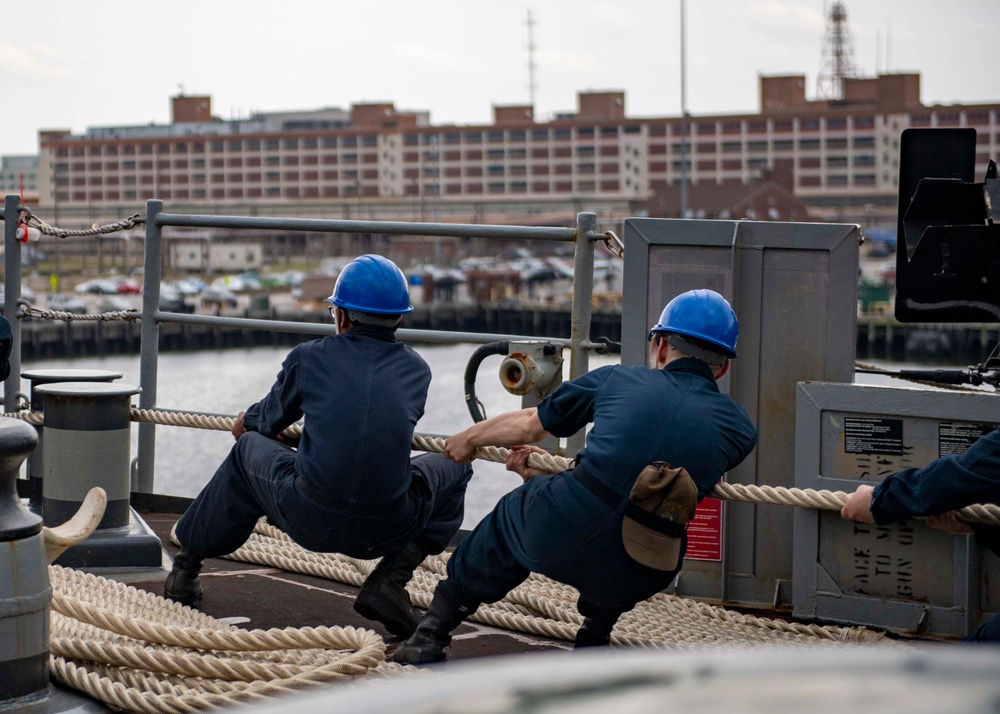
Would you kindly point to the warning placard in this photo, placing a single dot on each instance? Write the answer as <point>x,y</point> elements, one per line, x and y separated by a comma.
<point>955,438</point>
<point>704,532</point>
<point>871,435</point>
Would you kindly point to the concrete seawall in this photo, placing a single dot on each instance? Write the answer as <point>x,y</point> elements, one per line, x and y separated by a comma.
<point>878,337</point>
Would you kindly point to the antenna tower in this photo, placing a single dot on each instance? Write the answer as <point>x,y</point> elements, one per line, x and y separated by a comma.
<point>531,62</point>
<point>838,55</point>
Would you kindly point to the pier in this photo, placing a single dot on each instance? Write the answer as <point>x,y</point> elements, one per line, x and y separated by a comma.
<point>878,336</point>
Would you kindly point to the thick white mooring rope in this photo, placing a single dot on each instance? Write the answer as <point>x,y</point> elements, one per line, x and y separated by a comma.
<point>986,513</point>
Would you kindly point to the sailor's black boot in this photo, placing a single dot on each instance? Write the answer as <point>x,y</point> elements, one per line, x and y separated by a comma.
<point>433,633</point>
<point>383,596</point>
<point>183,584</point>
<point>593,633</point>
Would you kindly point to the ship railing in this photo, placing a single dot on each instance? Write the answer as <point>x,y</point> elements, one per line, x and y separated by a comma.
<point>583,235</point>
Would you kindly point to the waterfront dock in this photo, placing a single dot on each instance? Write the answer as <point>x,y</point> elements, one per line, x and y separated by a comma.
<point>879,336</point>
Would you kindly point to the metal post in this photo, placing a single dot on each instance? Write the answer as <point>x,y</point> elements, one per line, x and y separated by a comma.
<point>12,293</point>
<point>583,288</point>
<point>684,119</point>
<point>149,345</point>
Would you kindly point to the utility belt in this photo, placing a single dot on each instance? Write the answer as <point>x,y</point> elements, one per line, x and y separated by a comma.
<point>614,500</point>
<point>325,498</point>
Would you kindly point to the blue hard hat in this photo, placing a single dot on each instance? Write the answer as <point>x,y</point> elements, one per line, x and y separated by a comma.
<point>702,314</point>
<point>372,284</point>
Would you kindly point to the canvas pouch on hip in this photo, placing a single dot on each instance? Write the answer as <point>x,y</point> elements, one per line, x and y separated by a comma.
<point>661,504</point>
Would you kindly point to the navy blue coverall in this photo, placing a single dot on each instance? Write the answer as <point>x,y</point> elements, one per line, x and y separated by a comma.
<point>555,526</point>
<point>351,486</point>
<point>943,485</point>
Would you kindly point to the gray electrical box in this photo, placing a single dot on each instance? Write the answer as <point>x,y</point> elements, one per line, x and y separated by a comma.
<point>904,576</point>
<point>794,289</point>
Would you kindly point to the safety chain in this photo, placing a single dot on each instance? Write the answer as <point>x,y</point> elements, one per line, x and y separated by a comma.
<point>985,513</point>
<point>122,225</point>
<point>129,314</point>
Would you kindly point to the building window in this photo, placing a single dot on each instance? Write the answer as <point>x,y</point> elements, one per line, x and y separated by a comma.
<point>291,143</point>
<point>494,137</point>
<point>540,134</point>
<point>329,142</point>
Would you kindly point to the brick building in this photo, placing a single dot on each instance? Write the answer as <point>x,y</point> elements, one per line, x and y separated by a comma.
<point>839,159</point>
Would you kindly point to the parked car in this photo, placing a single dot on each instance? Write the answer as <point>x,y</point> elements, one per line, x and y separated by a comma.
<point>98,286</point>
<point>129,286</point>
<point>215,299</point>
<point>114,303</point>
<point>66,303</point>
<point>172,300</point>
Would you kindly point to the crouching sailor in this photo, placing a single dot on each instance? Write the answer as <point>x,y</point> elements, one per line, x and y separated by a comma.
<point>613,527</point>
<point>350,487</point>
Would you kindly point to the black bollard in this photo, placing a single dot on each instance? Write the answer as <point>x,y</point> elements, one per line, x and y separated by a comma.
<point>87,443</point>
<point>38,377</point>
<point>25,592</point>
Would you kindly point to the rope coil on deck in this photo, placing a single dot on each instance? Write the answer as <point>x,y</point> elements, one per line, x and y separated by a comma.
<point>136,651</point>
<point>543,607</point>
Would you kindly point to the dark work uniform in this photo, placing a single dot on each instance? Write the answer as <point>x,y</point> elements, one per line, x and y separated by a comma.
<point>351,486</point>
<point>555,526</point>
<point>943,485</point>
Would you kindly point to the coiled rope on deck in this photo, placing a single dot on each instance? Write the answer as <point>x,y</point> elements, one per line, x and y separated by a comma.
<point>136,651</point>
<point>543,607</point>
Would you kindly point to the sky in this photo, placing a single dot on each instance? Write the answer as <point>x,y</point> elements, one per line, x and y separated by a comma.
<point>77,64</point>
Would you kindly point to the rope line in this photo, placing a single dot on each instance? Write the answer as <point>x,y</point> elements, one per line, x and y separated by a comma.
<point>984,513</point>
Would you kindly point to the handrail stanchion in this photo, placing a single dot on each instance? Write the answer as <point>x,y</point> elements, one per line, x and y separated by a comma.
<point>12,293</point>
<point>149,344</point>
<point>583,288</point>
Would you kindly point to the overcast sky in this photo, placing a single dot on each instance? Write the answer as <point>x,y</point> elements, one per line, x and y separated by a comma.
<point>71,65</point>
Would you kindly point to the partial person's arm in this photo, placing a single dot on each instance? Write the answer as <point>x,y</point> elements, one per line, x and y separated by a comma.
<point>508,429</point>
<point>282,406</point>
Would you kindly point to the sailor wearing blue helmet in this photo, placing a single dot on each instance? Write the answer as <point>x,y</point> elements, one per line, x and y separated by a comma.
<point>350,487</point>
<point>613,526</point>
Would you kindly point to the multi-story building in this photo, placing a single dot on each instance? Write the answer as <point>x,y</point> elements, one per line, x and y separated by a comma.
<point>20,173</point>
<point>839,158</point>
